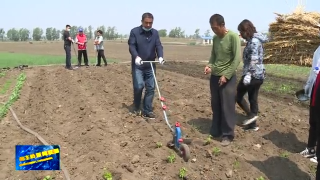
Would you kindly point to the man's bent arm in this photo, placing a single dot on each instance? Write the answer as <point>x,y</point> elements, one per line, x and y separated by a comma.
<point>132,41</point>
<point>236,51</point>
<point>159,47</point>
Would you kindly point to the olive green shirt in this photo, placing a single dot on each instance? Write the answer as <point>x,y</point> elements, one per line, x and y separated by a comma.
<point>225,55</point>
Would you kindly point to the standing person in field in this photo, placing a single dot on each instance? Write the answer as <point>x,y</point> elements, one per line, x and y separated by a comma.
<point>144,45</point>
<point>224,60</point>
<point>310,151</point>
<point>315,103</point>
<point>81,40</point>
<point>67,46</point>
<point>98,42</point>
<point>253,73</point>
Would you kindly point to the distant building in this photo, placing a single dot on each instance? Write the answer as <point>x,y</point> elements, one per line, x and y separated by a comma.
<point>206,40</point>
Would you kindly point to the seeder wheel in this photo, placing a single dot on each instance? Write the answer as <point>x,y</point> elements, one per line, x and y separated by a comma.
<point>185,152</point>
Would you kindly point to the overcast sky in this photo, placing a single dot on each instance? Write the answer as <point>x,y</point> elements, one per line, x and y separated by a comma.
<point>126,14</point>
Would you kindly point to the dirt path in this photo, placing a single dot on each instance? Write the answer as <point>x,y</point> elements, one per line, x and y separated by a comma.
<point>86,113</point>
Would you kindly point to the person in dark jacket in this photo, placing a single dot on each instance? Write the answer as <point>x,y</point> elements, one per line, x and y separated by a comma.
<point>67,46</point>
<point>144,45</point>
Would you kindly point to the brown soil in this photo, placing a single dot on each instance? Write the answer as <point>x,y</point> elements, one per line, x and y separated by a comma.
<point>86,113</point>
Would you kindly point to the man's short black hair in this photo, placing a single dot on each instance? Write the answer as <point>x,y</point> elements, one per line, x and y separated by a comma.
<point>218,19</point>
<point>100,32</point>
<point>68,26</point>
<point>146,15</point>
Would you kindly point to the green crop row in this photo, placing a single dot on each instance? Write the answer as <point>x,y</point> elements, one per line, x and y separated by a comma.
<point>14,96</point>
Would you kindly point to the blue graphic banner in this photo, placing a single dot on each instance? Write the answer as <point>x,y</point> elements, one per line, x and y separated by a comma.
<point>37,157</point>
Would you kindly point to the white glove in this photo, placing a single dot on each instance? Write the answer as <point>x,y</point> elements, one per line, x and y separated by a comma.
<point>316,70</point>
<point>247,79</point>
<point>138,61</point>
<point>161,60</point>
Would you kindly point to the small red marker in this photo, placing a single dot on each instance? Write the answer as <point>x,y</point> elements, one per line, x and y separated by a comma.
<point>164,107</point>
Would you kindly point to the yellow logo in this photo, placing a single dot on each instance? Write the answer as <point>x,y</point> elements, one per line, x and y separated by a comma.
<point>38,155</point>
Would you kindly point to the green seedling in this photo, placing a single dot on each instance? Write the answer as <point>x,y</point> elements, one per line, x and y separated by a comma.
<point>208,140</point>
<point>107,175</point>
<point>216,151</point>
<point>171,158</point>
<point>260,178</point>
<point>284,154</point>
<point>159,144</point>
<point>182,172</point>
<point>236,164</point>
<point>47,178</point>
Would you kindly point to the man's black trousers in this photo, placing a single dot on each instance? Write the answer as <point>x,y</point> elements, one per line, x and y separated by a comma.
<point>223,105</point>
<point>67,49</point>
<point>85,57</point>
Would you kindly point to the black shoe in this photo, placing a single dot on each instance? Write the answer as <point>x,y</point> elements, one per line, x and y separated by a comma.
<point>136,112</point>
<point>87,65</point>
<point>251,127</point>
<point>149,116</point>
<point>105,64</point>
<point>98,65</point>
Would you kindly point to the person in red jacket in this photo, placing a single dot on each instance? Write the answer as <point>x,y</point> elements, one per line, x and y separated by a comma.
<point>81,40</point>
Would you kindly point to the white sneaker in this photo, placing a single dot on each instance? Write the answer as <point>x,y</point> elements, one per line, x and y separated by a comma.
<point>308,153</point>
<point>314,159</point>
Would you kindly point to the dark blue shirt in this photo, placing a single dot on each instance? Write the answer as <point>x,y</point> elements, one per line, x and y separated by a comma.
<point>145,44</point>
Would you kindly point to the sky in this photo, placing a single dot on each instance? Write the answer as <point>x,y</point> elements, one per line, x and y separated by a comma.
<point>126,14</point>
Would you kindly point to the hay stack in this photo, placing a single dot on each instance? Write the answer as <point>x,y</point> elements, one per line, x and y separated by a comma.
<point>293,39</point>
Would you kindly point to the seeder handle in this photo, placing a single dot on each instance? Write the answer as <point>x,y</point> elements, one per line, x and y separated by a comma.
<point>150,61</point>
<point>156,82</point>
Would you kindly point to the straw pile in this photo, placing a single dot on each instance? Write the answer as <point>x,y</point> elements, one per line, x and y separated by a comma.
<point>293,39</point>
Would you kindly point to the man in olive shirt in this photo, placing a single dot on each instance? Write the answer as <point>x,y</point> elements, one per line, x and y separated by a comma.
<point>224,60</point>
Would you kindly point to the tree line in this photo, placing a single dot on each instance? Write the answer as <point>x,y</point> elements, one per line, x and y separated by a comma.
<point>109,33</point>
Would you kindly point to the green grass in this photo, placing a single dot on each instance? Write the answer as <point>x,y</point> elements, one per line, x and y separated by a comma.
<point>288,88</point>
<point>15,59</point>
<point>283,71</point>
<point>287,71</point>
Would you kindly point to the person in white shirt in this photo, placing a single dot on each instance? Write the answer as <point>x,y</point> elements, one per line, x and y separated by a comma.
<point>98,42</point>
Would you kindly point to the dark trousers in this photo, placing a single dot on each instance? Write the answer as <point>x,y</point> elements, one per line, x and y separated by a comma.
<point>101,55</point>
<point>143,78</point>
<point>312,138</point>
<point>253,90</point>
<point>67,49</point>
<point>223,107</point>
<point>316,123</point>
<point>85,57</point>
